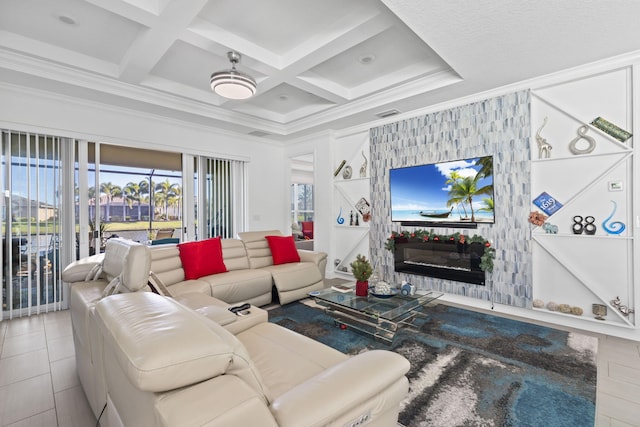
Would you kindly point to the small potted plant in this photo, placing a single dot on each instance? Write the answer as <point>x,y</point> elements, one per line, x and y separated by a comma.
<point>362,270</point>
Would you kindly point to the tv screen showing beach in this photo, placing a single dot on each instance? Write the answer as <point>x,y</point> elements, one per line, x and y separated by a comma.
<point>454,191</point>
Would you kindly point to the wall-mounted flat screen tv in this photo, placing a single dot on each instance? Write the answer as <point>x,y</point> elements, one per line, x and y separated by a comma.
<point>451,193</point>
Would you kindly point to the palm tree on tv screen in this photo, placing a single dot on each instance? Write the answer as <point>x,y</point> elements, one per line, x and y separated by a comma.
<point>464,189</point>
<point>488,205</point>
<point>486,166</point>
<point>454,177</point>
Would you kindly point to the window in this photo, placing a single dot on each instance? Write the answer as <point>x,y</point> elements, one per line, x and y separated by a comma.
<point>301,189</point>
<point>301,203</point>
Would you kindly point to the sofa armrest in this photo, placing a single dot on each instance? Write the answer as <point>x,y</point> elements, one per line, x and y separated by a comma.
<point>219,402</point>
<point>312,256</point>
<point>318,258</point>
<point>77,271</point>
<point>339,388</point>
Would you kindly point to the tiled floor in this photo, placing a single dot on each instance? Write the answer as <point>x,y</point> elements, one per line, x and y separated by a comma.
<point>618,383</point>
<point>39,386</point>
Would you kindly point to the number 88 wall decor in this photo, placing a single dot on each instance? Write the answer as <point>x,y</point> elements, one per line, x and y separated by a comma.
<point>585,224</point>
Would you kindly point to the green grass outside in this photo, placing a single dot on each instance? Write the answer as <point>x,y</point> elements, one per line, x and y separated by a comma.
<point>141,225</point>
<point>49,228</point>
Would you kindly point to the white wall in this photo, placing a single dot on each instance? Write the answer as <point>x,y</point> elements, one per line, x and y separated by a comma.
<point>23,109</point>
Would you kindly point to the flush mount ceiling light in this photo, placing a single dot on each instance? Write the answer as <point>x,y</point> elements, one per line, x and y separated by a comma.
<point>232,83</point>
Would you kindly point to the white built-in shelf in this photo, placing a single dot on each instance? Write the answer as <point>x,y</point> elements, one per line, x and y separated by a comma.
<point>578,269</point>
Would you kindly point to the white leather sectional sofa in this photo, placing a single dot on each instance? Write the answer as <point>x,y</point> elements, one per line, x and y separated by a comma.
<point>251,274</point>
<point>166,365</point>
<point>150,360</point>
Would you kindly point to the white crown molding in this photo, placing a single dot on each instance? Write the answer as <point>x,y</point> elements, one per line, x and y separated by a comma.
<point>63,74</point>
<point>98,107</point>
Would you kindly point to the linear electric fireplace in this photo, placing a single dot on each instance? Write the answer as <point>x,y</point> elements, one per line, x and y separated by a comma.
<point>452,260</point>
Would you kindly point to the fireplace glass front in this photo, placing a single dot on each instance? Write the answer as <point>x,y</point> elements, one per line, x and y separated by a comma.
<point>441,259</point>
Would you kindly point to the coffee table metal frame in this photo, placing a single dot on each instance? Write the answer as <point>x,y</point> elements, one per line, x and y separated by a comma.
<point>379,317</point>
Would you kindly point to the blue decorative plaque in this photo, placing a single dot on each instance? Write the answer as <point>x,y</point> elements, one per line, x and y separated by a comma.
<point>548,204</point>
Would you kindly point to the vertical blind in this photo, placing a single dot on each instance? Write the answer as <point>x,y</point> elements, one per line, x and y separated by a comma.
<point>224,196</point>
<point>31,179</point>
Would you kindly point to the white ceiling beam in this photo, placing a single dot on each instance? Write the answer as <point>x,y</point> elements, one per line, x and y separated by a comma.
<point>151,44</point>
<point>142,15</point>
<point>214,39</point>
<point>322,48</point>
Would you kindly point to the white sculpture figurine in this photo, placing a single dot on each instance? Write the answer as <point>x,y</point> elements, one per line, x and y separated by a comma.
<point>363,168</point>
<point>544,148</point>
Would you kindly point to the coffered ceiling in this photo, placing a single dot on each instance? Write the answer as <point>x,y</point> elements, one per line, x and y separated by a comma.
<point>319,65</point>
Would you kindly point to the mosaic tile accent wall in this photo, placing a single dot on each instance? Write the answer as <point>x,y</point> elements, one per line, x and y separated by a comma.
<point>499,127</point>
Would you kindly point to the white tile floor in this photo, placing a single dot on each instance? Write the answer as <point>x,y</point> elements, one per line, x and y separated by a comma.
<point>39,386</point>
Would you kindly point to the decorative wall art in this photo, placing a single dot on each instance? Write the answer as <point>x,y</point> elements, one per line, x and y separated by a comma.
<point>611,129</point>
<point>544,148</point>
<point>582,135</point>
<point>615,227</point>
<point>586,224</point>
<point>340,219</point>
<point>363,168</point>
<point>537,218</point>
<point>623,309</point>
<point>548,204</point>
<point>364,208</point>
<point>599,310</point>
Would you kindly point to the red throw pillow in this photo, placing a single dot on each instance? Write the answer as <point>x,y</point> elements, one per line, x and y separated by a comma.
<point>283,249</point>
<point>202,258</point>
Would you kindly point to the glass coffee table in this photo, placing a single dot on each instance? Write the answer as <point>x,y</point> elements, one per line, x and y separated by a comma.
<point>380,317</point>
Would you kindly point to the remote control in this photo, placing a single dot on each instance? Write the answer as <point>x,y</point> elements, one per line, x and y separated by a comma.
<point>236,309</point>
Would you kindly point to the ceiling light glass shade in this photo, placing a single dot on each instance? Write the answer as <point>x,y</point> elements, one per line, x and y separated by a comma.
<point>232,83</point>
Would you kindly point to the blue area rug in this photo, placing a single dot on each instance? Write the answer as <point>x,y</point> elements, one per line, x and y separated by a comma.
<point>473,369</point>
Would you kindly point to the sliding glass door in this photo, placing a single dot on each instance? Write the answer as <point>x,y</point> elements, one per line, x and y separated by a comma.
<point>64,198</point>
<point>131,193</point>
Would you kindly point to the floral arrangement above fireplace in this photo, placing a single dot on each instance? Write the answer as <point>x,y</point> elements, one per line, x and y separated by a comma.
<point>429,236</point>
